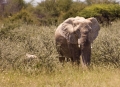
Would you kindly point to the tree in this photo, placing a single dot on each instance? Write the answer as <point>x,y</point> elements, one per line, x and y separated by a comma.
<point>2,7</point>
<point>89,2</point>
<point>10,7</point>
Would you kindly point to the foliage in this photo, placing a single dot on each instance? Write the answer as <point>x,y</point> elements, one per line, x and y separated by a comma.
<point>48,11</point>
<point>64,5</point>
<point>54,12</point>
<point>106,49</point>
<point>28,39</point>
<point>24,16</point>
<point>73,11</point>
<point>6,28</point>
<point>111,10</point>
<point>12,7</point>
<point>90,2</point>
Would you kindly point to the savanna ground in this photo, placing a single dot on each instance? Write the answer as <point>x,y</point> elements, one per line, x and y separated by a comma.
<point>46,71</point>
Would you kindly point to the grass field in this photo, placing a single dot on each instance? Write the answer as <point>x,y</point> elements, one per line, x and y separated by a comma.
<point>17,71</point>
<point>67,77</point>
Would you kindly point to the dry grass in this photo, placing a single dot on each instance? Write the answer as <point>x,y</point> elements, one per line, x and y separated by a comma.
<point>68,77</point>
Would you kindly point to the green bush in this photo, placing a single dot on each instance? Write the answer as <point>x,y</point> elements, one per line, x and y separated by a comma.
<point>16,20</point>
<point>74,9</point>
<point>51,12</point>
<point>111,10</point>
<point>23,16</point>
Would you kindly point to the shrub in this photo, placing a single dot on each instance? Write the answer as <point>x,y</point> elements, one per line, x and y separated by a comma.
<point>23,16</point>
<point>15,21</point>
<point>33,40</point>
<point>103,12</point>
<point>74,9</point>
<point>106,48</point>
<point>98,9</point>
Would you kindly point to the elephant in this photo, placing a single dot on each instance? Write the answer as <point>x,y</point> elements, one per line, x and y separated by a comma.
<point>73,39</point>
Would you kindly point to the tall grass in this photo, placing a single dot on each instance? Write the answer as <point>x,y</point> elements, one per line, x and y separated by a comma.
<point>15,43</point>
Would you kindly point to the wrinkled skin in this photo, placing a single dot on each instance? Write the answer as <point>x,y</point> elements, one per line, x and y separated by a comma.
<point>74,37</point>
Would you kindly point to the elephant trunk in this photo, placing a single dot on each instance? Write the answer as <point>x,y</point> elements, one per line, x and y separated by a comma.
<point>81,41</point>
<point>85,51</point>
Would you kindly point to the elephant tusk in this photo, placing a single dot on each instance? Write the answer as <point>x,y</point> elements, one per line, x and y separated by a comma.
<point>91,46</point>
<point>79,45</point>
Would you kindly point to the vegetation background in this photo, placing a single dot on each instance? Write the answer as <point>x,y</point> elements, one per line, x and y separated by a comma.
<point>25,28</point>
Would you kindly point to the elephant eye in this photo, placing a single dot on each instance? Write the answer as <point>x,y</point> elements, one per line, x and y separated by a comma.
<point>86,32</point>
<point>76,34</point>
<point>74,25</point>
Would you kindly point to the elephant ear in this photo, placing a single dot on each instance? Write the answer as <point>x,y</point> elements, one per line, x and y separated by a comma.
<point>67,31</point>
<point>95,27</point>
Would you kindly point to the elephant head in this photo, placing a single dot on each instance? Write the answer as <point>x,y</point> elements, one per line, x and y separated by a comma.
<point>80,32</point>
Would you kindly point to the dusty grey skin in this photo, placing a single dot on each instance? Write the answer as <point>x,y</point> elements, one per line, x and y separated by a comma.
<point>74,37</point>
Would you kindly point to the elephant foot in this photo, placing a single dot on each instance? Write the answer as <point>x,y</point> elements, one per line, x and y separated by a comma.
<point>75,62</point>
<point>83,64</point>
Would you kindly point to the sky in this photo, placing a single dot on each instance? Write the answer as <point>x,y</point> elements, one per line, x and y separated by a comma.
<point>42,0</point>
<point>35,1</point>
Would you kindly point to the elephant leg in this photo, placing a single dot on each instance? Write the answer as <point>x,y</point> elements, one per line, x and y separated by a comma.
<point>67,59</point>
<point>61,59</point>
<point>59,50</point>
<point>75,54</point>
<point>86,56</point>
